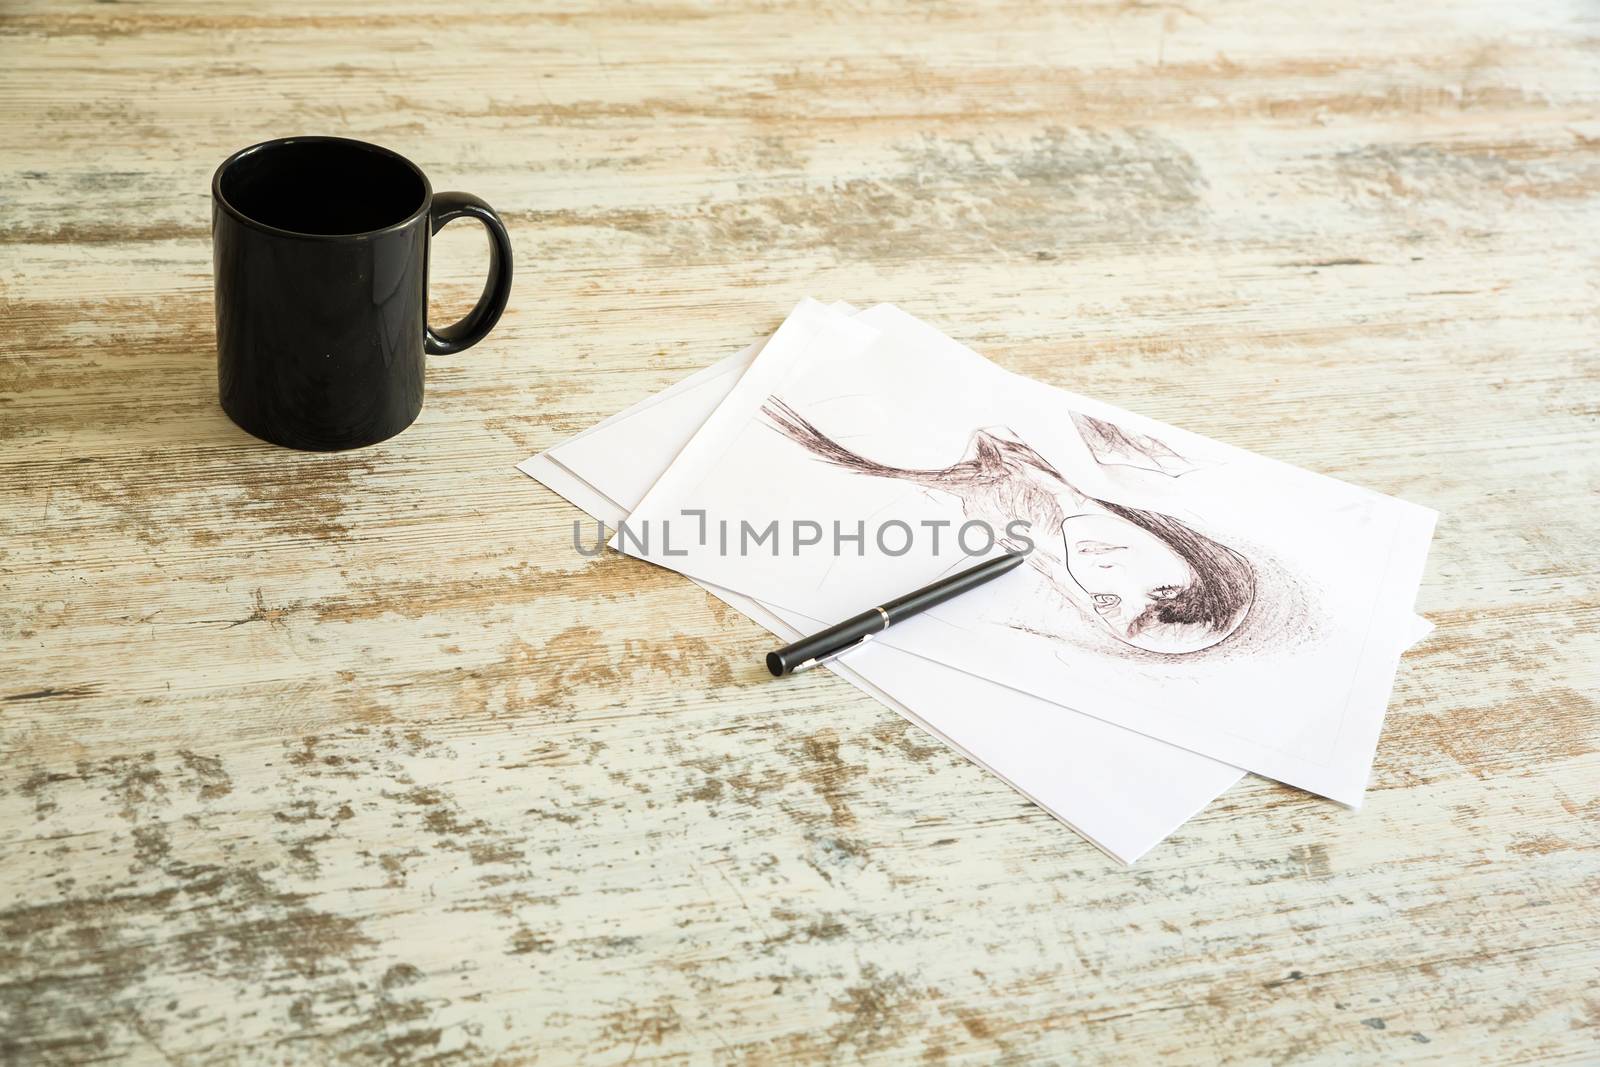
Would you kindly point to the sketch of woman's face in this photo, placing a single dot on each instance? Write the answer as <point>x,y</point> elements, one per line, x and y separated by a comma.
<point>1123,568</point>
<point>1152,581</point>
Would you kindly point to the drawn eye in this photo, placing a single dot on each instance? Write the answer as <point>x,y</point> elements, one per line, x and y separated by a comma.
<point>1164,592</point>
<point>1106,600</point>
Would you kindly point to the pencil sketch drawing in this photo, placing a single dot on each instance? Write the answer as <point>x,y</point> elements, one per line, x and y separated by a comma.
<point>1113,446</point>
<point>1153,582</point>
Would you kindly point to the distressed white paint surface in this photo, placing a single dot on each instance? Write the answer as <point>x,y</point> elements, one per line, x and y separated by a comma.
<point>350,757</point>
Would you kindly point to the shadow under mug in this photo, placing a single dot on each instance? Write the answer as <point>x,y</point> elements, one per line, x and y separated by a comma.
<point>320,253</point>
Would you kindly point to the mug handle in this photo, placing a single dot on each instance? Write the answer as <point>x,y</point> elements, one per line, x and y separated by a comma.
<point>460,336</point>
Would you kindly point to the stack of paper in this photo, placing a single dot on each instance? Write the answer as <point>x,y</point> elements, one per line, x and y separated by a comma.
<point>1190,611</point>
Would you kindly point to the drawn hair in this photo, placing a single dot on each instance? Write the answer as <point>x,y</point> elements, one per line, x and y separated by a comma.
<point>1224,586</point>
<point>802,432</point>
<point>990,455</point>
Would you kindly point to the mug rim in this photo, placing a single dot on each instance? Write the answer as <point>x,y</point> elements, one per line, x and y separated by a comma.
<point>239,216</point>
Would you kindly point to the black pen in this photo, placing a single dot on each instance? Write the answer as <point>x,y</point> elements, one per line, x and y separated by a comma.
<point>853,632</point>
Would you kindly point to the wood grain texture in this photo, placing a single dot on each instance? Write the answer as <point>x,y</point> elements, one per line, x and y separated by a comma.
<point>350,758</point>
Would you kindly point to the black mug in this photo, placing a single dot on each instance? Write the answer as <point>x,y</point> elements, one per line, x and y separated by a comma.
<point>320,249</point>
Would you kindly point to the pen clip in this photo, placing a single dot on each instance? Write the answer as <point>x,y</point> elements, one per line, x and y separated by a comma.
<point>817,661</point>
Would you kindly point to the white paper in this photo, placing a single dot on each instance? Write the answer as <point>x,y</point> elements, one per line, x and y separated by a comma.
<point>1124,792</point>
<point>1121,791</point>
<point>1297,693</point>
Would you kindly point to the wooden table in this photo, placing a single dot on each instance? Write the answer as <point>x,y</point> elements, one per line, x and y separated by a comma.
<point>351,757</point>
